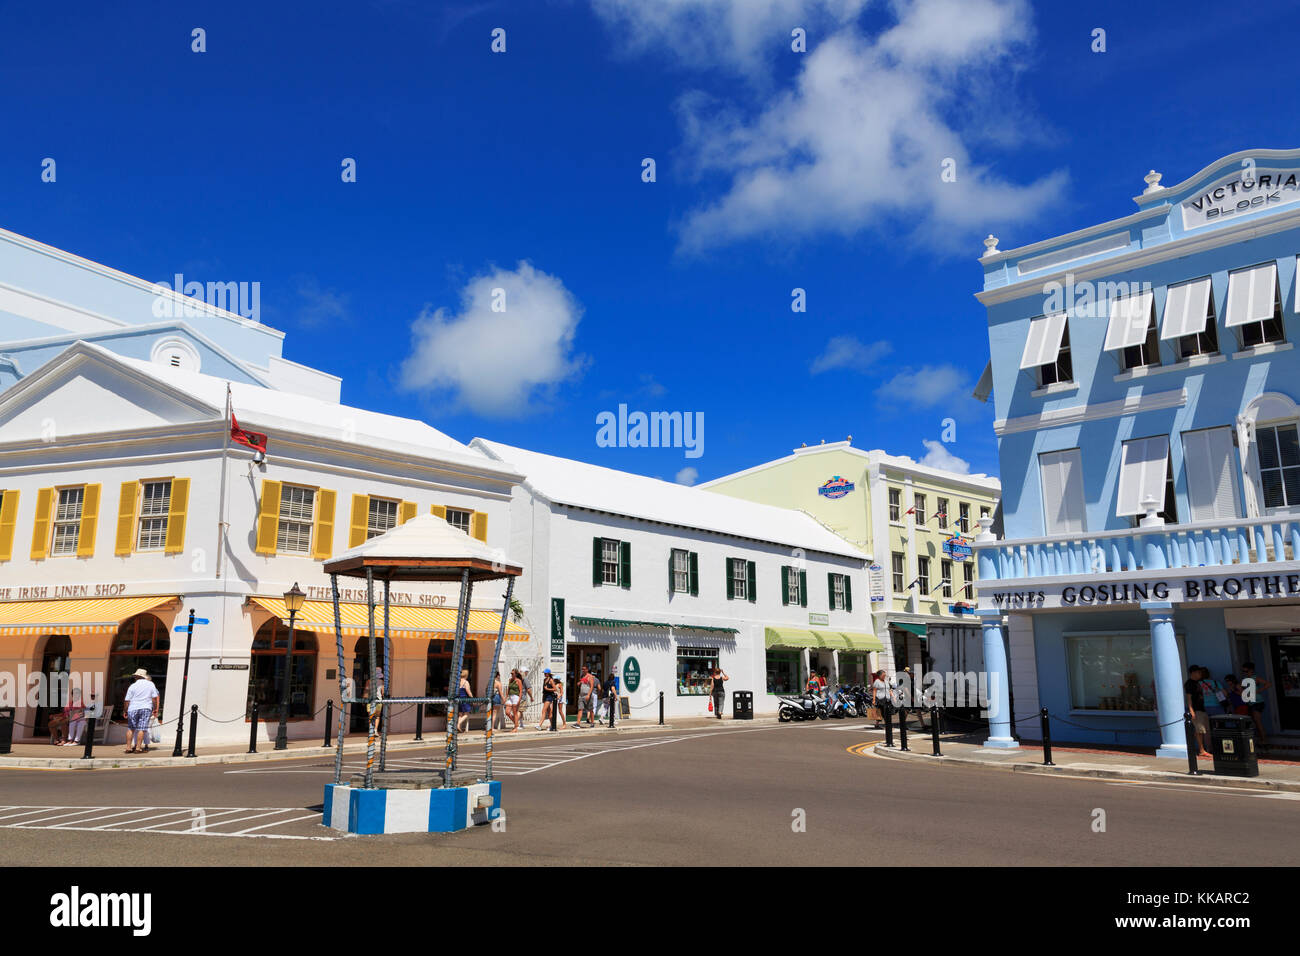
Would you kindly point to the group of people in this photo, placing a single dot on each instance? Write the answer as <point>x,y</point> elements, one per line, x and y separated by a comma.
<point>69,723</point>
<point>1205,696</point>
<point>595,698</point>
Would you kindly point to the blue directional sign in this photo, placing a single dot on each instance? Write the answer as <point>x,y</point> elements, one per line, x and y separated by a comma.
<point>201,620</point>
<point>182,628</point>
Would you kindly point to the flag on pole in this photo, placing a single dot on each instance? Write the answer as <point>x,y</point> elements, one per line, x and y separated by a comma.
<point>253,440</point>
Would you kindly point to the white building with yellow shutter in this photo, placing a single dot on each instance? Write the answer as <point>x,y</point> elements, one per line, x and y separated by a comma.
<point>124,505</point>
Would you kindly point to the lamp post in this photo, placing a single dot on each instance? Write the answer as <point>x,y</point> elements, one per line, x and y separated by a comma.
<point>293,599</point>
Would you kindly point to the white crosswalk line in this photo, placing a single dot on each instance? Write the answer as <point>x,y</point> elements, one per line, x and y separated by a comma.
<point>77,812</point>
<point>276,823</point>
<point>102,816</point>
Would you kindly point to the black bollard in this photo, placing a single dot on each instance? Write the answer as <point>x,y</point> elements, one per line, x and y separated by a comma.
<point>934,729</point>
<point>90,739</point>
<point>613,702</point>
<point>419,721</point>
<point>1047,737</point>
<point>194,727</point>
<point>252,729</point>
<point>555,711</point>
<point>329,721</point>
<point>902,728</point>
<point>661,708</point>
<point>887,712</point>
<point>1189,729</point>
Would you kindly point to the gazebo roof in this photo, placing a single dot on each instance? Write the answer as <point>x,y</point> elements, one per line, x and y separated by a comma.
<point>426,548</point>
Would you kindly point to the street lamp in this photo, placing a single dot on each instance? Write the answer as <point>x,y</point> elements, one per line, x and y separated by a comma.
<point>293,599</point>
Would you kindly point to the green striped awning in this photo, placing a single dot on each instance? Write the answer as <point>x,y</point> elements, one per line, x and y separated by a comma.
<point>804,637</point>
<point>917,629</point>
<point>859,641</point>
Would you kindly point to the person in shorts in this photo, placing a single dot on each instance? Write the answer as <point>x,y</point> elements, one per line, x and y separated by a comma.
<point>548,697</point>
<point>462,721</point>
<point>514,691</point>
<point>586,699</point>
<point>141,711</point>
<point>1194,698</point>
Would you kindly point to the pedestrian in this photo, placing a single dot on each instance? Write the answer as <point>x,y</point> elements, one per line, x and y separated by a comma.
<point>375,708</point>
<point>822,682</point>
<point>1253,696</point>
<point>494,708</point>
<point>598,697</point>
<point>514,693</point>
<point>527,692</point>
<point>717,681</point>
<point>548,697</point>
<point>880,694</point>
<point>1213,692</point>
<point>1235,704</point>
<point>1195,700</point>
<point>141,711</point>
<point>462,721</point>
<point>561,705</point>
<point>611,693</point>
<point>586,699</point>
<point>76,714</point>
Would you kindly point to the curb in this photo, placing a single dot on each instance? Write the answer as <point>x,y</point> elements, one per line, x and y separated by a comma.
<point>1207,779</point>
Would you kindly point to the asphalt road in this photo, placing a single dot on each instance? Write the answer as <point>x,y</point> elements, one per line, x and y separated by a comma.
<point>738,795</point>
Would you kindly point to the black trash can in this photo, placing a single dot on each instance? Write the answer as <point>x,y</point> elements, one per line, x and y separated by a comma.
<point>6,729</point>
<point>742,705</point>
<point>1232,741</point>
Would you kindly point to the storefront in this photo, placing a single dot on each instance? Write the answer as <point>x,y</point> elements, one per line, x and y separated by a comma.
<point>794,654</point>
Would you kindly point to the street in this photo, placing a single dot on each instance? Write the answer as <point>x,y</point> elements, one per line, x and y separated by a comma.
<point>734,795</point>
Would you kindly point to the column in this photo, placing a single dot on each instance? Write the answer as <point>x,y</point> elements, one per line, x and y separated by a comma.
<point>995,666</point>
<point>1169,680</point>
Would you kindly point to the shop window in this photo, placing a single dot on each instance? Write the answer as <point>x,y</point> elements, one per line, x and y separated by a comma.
<point>942,513</point>
<point>141,642</point>
<point>381,516</point>
<point>783,672</point>
<point>1279,465</point>
<point>297,505</point>
<point>437,673</point>
<point>266,672</point>
<point>67,520</point>
<point>155,503</point>
<point>923,575</point>
<point>1111,672</point>
<point>853,670</point>
<point>918,508</point>
<point>895,504</point>
<point>695,670</point>
<point>898,572</point>
<point>460,519</point>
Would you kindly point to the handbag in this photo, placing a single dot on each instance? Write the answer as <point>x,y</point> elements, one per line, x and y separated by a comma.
<point>155,732</point>
<point>710,705</point>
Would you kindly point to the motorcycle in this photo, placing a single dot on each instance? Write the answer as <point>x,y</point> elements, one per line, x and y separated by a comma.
<point>841,705</point>
<point>806,707</point>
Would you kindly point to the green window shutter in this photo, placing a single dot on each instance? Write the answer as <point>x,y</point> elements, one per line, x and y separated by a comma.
<point>751,573</point>
<point>597,573</point>
<point>672,571</point>
<point>785,584</point>
<point>695,574</point>
<point>848,594</point>
<point>803,588</point>
<point>625,563</point>
<point>726,576</point>
<point>830,590</point>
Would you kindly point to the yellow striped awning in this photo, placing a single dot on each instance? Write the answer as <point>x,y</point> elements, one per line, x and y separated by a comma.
<point>403,620</point>
<point>74,616</point>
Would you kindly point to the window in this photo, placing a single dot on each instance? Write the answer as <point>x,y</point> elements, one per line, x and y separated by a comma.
<point>1144,473</point>
<point>695,670</point>
<point>794,588</point>
<point>609,561</point>
<point>918,508</point>
<point>1061,474</point>
<point>1144,354</point>
<point>840,593</point>
<point>923,575</point>
<point>1279,465</point>
<point>895,504</point>
<point>968,578</point>
<point>459,518</point>
<point>141,642</point>
<point>984,511</point>
<point>1209,461</point>
<point>1061,369</point>
<point>1189,318</point>
<point>266,672</point>
<point>945,571</point>
<point>1111,672</point>
<point>942,513</point>
<point>382,517</point>
<point>296,508</point>
<point>155,503</point>
<point>783,672</point>
<point>740,578</point>
<point>1254,306</point>
<point>67,520</point>
<point>681,571</point>
<point>1132,330</point>
<point>963,522</point>
<point>898,573</point>
<point>1047,349</point>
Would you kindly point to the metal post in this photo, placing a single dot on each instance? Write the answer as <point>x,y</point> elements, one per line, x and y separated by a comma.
<point>1047,737</point>
<point>90,739</point>
<point>329,720</point>
<point>555,709</point>
<point>419,721</point>
<point>185,680</point>
<point>343,700</point>
<point>252,729</point>
<point>1189,729</point>
<point>282,733</point>
<point>194,727</point>
<point>492,676</point>
<point>934,729</point>
<point>887,713</point>
<point>385,713</point>
<point>613,702</point>
<point>373,697</point>
<point>661,708</point>
<point>453,681</point>
<point>902,728</point>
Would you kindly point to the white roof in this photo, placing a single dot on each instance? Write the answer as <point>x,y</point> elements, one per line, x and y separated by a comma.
<point>425,536</point>
<point>580,485</point>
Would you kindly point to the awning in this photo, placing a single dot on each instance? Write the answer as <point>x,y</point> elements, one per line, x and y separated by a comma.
<point>1187,308</point>
<point>1251,294</point>
<point>403,620</point>
<point>90,616</point>
<point>860,641</point>
<point>917,629</point>
<point>804,637</point>
<point>614,622</point>
<point>1130,321</point>
<point>1043,343</point>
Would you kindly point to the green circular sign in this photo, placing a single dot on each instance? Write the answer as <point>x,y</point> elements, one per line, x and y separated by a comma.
<point>631,675</point>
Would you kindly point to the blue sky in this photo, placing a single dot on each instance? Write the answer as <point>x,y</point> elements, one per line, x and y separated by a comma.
<point>522,170</point>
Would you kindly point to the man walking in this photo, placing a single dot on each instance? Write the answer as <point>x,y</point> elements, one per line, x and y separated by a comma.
<point>611,693</point>
<point>141,711</point>
<point>1194,697</point>
<point>586,699</point>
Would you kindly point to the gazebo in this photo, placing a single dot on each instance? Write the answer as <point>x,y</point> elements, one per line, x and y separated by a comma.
<point>424,549</point>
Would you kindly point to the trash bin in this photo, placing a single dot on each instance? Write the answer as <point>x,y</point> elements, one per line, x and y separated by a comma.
<point>742,705</point>
<point>6,729</point>
<point>1232,741</point>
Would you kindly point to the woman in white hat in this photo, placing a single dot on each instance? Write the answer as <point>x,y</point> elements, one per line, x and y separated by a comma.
<point>141,711</point>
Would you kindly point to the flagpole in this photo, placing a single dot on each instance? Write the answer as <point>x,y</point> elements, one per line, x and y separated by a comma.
<point>221,496</point>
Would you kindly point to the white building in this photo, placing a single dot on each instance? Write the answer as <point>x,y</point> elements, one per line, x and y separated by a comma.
<point>663,581</point>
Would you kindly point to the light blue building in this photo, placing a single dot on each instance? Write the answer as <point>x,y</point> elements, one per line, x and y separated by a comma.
<point>1145,382</point>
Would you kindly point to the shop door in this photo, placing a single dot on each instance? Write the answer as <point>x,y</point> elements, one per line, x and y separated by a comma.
<point>1286,680</point>
<point>55,668</point>
<point>580,656</point>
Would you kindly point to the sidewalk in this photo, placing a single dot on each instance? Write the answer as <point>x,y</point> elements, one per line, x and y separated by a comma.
<point>111,757</point>
<point>1274,774</point>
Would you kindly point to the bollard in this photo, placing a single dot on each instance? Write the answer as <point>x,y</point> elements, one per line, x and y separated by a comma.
<point>902,728</point>
<point>1189,730</point>
<point>555,710</point>
<point>194,727</point>
<point>329,721</point>
<point>1047,737</point>
<point>887,712</point>
<point>934,729</point>
<point>419,721</point>
<point>613,702</point>
<point>661,708</point>
<point>252,729</point>
<point>90,739</point>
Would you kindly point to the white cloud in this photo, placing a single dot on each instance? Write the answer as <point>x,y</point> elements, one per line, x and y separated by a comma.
<point>926,387</point>
<point>938,456</point>
<point>687,476</point>
<point>497,362</point>
<point>846,351</point>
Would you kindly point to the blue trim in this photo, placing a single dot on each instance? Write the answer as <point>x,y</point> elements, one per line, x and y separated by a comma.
<point>366,811</point>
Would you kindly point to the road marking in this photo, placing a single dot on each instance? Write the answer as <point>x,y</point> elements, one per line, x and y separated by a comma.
<point>129,818</point>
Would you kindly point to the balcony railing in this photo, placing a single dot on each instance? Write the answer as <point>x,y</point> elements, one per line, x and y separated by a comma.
<point>1242,541</point>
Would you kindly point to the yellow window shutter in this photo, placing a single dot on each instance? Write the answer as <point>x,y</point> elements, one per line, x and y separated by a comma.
<point>41,527</point>
<point>478,526</point>
<point>323,538</point>
<point>126,519</point>
<point>440,511</point>
<point>360,520</point>
<point>268,518</point>
<point>89,522</point>
<point>8,521</point>
<point>408,511</point>
<point>174,543</point>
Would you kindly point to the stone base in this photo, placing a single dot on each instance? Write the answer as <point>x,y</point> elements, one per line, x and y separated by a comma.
<point>425,810</point>
<point>1002,743</point>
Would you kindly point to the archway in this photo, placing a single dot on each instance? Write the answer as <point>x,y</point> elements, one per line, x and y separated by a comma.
<point>437,672</point>
<point>55,669</point>
<point>266,672</point>
<point>141,642</point>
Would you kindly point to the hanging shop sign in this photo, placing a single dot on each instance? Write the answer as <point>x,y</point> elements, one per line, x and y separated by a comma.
<point>557,628</point>
<point>1243,191</point>
<point>958,548</point>
<point>837,487</point>
<point>631,675</point>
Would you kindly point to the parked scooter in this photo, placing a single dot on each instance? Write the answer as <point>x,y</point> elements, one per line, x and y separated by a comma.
<point>806,707</point>
<point>841,704</point>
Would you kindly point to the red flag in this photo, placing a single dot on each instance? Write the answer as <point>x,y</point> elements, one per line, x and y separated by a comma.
<point>253,440</point>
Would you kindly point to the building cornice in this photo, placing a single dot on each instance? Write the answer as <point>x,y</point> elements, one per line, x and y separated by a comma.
<point>1075,414</point>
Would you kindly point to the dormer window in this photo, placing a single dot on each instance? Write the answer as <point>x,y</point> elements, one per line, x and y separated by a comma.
<point>1254,305</point>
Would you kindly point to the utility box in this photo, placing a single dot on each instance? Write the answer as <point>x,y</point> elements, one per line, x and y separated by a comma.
<point>1232,741</point>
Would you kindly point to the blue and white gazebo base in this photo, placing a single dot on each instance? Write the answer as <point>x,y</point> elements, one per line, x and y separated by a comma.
<point>435,810</point>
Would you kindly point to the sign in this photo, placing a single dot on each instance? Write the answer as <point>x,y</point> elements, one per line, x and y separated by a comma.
<point>358,596</point>
<point>557,628</point>
<point>230,667</point>
<point>837,487</point>
<point>876,583</point>
<point>814,618</point>
<point>201,620</point>
<point>1241,191</point>
<point>961,608</point>
<point>46,592</point>
<point>958,548</point>
<point>1189,590</point>
<point>631,675</point>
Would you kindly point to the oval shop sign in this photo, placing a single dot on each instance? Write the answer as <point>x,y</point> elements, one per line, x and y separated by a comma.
<point>837,487</point>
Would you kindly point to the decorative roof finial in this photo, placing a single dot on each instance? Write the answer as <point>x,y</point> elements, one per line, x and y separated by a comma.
<point>990,246</point>
<point>1152,179</point>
